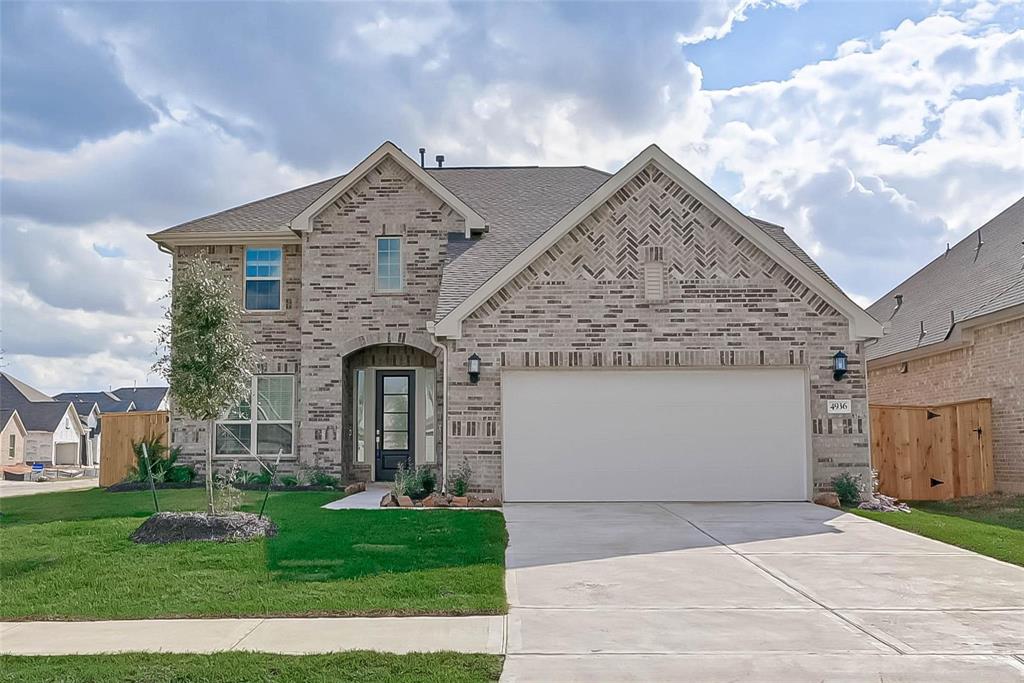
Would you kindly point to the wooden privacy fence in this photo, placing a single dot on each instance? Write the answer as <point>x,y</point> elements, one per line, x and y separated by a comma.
<point>933,452</point>
<point>118,431</point>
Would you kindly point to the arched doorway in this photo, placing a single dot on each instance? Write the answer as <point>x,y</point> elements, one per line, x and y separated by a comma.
<point>393,410</point>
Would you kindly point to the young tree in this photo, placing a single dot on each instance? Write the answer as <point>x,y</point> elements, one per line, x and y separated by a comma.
<point>204,352</point>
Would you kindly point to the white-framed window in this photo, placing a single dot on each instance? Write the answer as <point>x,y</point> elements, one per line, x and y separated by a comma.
<point>262,426</point>
<point>263,278</point>
<point>12,446</point>
<point>389,264</point>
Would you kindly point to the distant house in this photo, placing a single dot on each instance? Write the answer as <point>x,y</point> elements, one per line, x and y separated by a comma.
<point>954,331</point>
<point>54,433</point>
<point>92,405</point>
<point>12,438</point>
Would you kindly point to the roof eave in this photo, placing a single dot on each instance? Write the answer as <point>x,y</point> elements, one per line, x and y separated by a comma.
<point>281,235</point>
<point>960,336</point>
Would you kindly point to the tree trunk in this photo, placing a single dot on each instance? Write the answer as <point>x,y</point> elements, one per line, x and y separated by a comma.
<point>209,479</point>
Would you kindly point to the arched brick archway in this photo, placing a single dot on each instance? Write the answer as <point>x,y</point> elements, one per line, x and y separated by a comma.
<point>416,340</point>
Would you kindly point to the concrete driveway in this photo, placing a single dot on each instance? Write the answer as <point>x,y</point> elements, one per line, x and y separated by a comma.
<point>750,591</point>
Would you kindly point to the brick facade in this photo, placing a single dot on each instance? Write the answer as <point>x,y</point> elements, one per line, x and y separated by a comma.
<point>991,366</point>
<point>726,304</point>
<point>275,334</point>
<point>721,303</point>
<point>341,310</point>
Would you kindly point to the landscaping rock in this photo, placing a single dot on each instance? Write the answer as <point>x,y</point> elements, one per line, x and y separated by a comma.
<point>492,502</point>
<point>435,500</point>
<point>358,487</point>
<point>882,503</point>
<point>829,499</point>
<point>388,501</point>
<point>405,502</point>
<point>460,502</point>
<point>174,527</point>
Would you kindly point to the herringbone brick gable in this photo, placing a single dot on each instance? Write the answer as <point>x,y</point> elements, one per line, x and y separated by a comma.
<point>652,214</point>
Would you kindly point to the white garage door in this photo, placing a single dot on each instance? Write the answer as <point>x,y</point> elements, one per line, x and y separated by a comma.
<point>629,435</point>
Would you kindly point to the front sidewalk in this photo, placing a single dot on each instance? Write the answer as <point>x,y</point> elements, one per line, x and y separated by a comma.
<point>399,635</point>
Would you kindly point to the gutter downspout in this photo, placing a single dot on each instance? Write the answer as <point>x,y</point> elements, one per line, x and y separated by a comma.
<point>444,406</point>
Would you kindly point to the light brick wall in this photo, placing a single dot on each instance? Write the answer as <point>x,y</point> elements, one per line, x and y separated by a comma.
<point>341,311</point>
<point>726,305</point>
<point>991,367</point>
<point>276,336</point>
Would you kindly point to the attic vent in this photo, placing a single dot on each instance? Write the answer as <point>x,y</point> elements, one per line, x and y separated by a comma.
<point>654,281</point>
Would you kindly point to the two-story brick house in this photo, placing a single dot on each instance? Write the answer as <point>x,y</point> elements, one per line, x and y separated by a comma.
<point>574,335</point>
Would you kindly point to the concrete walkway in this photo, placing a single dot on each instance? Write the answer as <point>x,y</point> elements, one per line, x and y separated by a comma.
<point>284,636</point>
<point>367,500</point>
<point>768,592</point>
<point>9,489</point>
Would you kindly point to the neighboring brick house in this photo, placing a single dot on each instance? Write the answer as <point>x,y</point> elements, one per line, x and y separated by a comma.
<point>958,334</point>
<point>573,335</point>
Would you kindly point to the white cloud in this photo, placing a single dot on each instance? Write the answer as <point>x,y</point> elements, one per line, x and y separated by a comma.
<point>718,17</point>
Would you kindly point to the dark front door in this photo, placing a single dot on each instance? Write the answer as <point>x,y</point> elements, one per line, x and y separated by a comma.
<point>394,429</point>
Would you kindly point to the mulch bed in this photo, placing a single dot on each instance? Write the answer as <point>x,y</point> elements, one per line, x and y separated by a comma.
<point>175,527</point>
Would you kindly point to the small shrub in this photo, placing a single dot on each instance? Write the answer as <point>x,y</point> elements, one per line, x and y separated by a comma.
<point>262,478</point>
<point>321,478</point>
<point>458,479</point>
<point>180,474</point>
<point>162,463</point>
<point>848,488</point>
<point>289,480</point>
<point>427,479</point>
<point>226,498</point>
<point>247,477</point>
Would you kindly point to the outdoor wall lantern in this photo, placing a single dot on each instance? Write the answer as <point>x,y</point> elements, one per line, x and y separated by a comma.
<point>474,369</point>
<point>838,366</point>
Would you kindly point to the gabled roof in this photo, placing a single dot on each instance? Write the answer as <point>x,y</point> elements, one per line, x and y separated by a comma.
<point>304,221</point>
<point>966,281</point>
<point>518,205</point>
<point>862,325</point>
<point>29,392</point>
<point>6,416</point>
<point>143,398</point>
<point>38,412</point>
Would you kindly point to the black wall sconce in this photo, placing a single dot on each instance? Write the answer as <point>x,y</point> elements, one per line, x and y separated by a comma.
<point>838,366</point>
<point>474,369</point>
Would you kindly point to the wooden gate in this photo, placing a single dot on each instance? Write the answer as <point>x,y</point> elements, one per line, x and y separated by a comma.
<point>933,452</point>
<point>118,431</point>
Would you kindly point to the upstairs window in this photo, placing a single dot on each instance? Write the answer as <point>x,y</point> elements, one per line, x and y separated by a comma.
<point>389,264</point>
<point>263,279</point>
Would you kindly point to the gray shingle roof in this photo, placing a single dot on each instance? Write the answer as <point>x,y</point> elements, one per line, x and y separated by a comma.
<point>266,215</point>
<point>84,400</point>
<point>518,203</point>
<point>967,281</point>
<point>38,412</point>
<point>144,398</point>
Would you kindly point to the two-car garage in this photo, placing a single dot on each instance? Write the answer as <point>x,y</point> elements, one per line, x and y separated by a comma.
<point>655,435</point>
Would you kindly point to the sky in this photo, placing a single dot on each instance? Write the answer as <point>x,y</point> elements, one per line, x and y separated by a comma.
<point>876,132</point>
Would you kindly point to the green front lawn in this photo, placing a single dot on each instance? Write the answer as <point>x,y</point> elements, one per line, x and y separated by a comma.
<point>990,525</point>
<point>68,556</point>
<point>256,667</point>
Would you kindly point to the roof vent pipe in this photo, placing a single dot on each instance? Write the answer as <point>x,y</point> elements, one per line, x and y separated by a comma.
<point>899,304</point>
<point>440,160</point>
<point>423,157</point>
